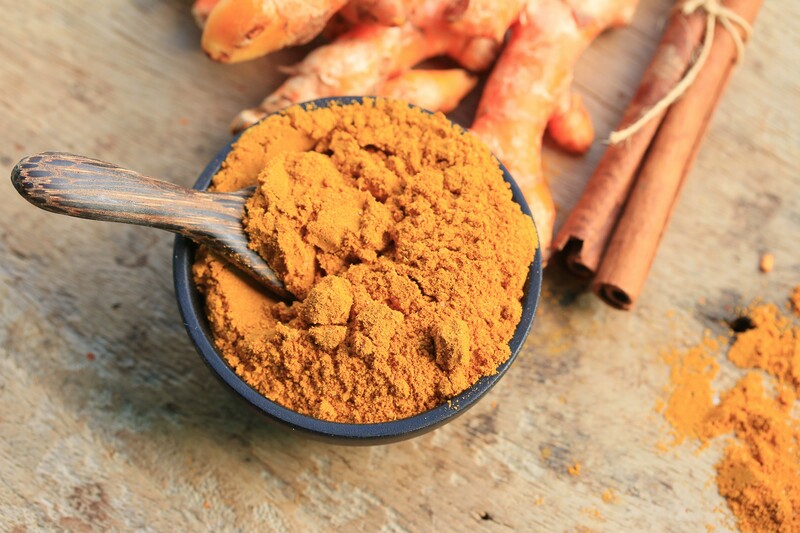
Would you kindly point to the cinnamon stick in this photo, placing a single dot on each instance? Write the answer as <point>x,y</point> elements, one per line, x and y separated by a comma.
<point>633,245</point>
<point>584,236</point>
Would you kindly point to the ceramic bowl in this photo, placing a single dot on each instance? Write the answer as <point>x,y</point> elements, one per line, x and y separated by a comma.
<point>192,310</point>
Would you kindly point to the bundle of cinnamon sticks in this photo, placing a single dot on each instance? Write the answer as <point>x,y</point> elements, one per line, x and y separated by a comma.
<point>613,233</point>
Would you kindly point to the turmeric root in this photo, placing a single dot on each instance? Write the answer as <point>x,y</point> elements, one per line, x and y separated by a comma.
<point>435,90</point>
<point>570,126</point>
<point>423,13</point>
<point>337,25</point>
<point>596,16</point>
<point>201,9</point>
<point>245,29</point>
<point>428,13</point>
<point>386,12</point>
<point>522,92</point>
<point>238,30</point>
<point>475,53</point>
<point>355,63</point>
<point>355,12</point>
<point>483,18</point>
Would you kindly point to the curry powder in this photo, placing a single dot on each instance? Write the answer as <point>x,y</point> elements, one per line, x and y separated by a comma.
<point>399,237</point>
<point>759,473</point>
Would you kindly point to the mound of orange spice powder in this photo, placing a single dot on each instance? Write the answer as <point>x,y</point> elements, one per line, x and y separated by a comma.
<point>398,236</point>
<point>759,473</point>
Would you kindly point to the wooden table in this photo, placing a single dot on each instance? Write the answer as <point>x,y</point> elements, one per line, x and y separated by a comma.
<point>109,420</point>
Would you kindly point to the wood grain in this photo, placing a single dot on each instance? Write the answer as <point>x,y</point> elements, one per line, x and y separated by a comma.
<point>109,420</point>
<point>82,187</point>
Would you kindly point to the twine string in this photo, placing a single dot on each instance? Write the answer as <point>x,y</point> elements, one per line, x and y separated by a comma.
<point>716,12</point>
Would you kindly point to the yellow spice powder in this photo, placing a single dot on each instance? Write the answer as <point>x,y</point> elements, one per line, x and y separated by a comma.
<point>399,238</point>
<point>759,474</point>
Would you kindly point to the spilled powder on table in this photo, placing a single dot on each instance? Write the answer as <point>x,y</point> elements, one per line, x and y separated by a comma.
<point>610,496</point>
<point>767,263</point>
<point>574,470</point>
<point>593,513</point>
<point>759,473</point>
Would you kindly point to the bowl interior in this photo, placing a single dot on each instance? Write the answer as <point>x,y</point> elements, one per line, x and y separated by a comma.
<point>193,312</point>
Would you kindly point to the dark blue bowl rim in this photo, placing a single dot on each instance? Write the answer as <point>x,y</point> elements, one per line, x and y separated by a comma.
<point>193,313</point>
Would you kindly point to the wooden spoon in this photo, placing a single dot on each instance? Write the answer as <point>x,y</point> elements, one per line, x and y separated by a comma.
<point>81,187</point>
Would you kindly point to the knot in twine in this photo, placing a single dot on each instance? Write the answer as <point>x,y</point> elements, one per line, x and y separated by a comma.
<point>716,13</point>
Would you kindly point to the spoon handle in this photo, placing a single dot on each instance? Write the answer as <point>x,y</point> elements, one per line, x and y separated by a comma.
<point>82,187</point>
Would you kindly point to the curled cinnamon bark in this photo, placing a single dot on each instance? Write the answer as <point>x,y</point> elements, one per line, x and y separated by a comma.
<point>584,236</point>
<point>635,240</point>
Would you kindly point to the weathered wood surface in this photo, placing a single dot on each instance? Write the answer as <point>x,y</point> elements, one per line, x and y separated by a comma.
<point>109,421</point>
